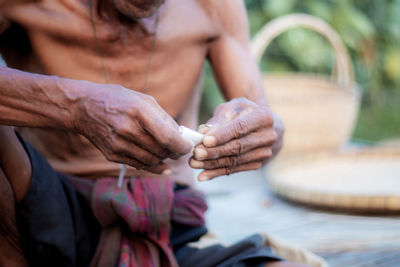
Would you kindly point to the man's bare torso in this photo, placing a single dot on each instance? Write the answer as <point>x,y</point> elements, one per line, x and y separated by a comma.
<point>56,38</point>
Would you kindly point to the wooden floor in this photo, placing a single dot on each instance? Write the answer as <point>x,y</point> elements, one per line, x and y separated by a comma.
<point>242,204</point>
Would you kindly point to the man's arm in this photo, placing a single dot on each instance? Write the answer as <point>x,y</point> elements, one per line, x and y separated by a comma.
<point>127,126</point>
<point>4,22</point>
<point>245,133</point>
<point>233,65</point>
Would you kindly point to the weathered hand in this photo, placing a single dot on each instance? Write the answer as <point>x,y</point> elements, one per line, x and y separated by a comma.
<point>241,138</point>
<point>130,127</point>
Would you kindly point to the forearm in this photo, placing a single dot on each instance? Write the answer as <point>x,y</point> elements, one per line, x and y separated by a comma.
<point>37,100</point>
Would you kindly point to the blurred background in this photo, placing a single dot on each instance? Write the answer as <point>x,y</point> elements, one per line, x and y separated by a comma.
<point>245,203</point>
<point>370,30</point>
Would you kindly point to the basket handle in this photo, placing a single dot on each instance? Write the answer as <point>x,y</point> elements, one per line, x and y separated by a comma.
<point>343,71</point>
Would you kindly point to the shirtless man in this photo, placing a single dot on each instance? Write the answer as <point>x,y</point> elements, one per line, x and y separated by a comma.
<point>124,75</point>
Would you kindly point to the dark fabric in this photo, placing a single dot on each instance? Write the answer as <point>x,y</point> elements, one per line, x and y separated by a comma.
<point>248,252</point>
<point>59,229</point>
<point>56,225</point>
<point>183,234</point>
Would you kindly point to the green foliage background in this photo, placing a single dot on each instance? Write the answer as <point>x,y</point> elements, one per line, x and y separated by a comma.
<point>371,31</point>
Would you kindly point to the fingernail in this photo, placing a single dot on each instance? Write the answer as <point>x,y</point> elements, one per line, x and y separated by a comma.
<point>200,153</point>
<point>210,141</point>
<point>204,128</point>
<point>167,172</point>
<point>196,163</point>
<point>203,178</point>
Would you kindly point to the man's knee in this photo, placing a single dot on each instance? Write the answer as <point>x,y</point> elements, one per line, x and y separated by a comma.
<point>15,162</point>
<point>10,250</point>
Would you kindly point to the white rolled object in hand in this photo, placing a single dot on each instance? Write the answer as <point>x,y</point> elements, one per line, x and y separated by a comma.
<point>191,136</point>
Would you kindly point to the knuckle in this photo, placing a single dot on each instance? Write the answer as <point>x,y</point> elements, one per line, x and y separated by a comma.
<point>233,161</point>
<point>174,156</point>
<point>139,166</point>
<point>153,161</point>
<point>269,118</point>
<point>240,128</point>
<point>220,108</point>
<point>269,136</point>
<point>161,153</point>
<point>212,164</point>
<point>118,147</point>
<point>144,167</point>
<point>136,164</point>
<point>274,136</point>
<point>215,163</point>
<point>267,152</point>
<point>223,151</point>
<point>113,141</point>
<point>112,157</point>
<point>237,147</point>
<point>228,170</point>
<point>266,114</point>
<point>258,165</point>
<point>123,128</point>
<point>165,140</point>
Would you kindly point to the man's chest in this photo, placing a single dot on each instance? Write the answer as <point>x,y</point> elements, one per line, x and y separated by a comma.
<point>66,41</point>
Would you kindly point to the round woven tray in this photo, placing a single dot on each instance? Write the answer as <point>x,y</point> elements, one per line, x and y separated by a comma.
<point>363,180</point>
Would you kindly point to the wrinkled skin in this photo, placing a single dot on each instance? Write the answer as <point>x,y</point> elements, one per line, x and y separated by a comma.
<point>81,124</point>
<point>239,137</point>
<point>125,126</point>
<point>141,135</point>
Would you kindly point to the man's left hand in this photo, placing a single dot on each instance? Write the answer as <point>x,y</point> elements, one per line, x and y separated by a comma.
<point>239,137</point>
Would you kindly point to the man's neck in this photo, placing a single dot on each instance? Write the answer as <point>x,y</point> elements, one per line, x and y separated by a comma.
<point>106,10</point>
<point>126,8</point>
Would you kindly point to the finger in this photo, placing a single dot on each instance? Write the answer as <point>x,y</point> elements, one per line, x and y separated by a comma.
<point>237,146</point>
<point>147,142</point>
<point>239,127</point>
<point>204,128</point>
<point>167,135</point>
<point>160,168</point>
<point>133,151</point>
<point>210,174</point>
<point>127,160</point>
<point>259,154</point>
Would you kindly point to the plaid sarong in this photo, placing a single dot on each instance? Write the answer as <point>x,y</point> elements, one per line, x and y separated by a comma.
<point>136,219</point>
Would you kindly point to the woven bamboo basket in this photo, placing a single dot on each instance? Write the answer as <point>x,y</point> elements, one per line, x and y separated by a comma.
<point>364,179</point>
<point>319,111</point>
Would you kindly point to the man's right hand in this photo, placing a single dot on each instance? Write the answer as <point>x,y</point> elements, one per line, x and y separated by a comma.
<point>129,127</point>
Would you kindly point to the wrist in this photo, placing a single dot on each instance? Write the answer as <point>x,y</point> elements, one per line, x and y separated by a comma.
<point>74,93</point>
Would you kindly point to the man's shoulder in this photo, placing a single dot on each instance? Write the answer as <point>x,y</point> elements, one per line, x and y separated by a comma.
<point>9,4</point>
<point>222,11</point>
<point>6,6</point>
<point>228,16</point>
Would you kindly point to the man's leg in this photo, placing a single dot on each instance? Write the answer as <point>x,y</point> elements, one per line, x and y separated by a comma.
<point>56,225</point>
<point>15,177</point>
<point>15,162</point>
